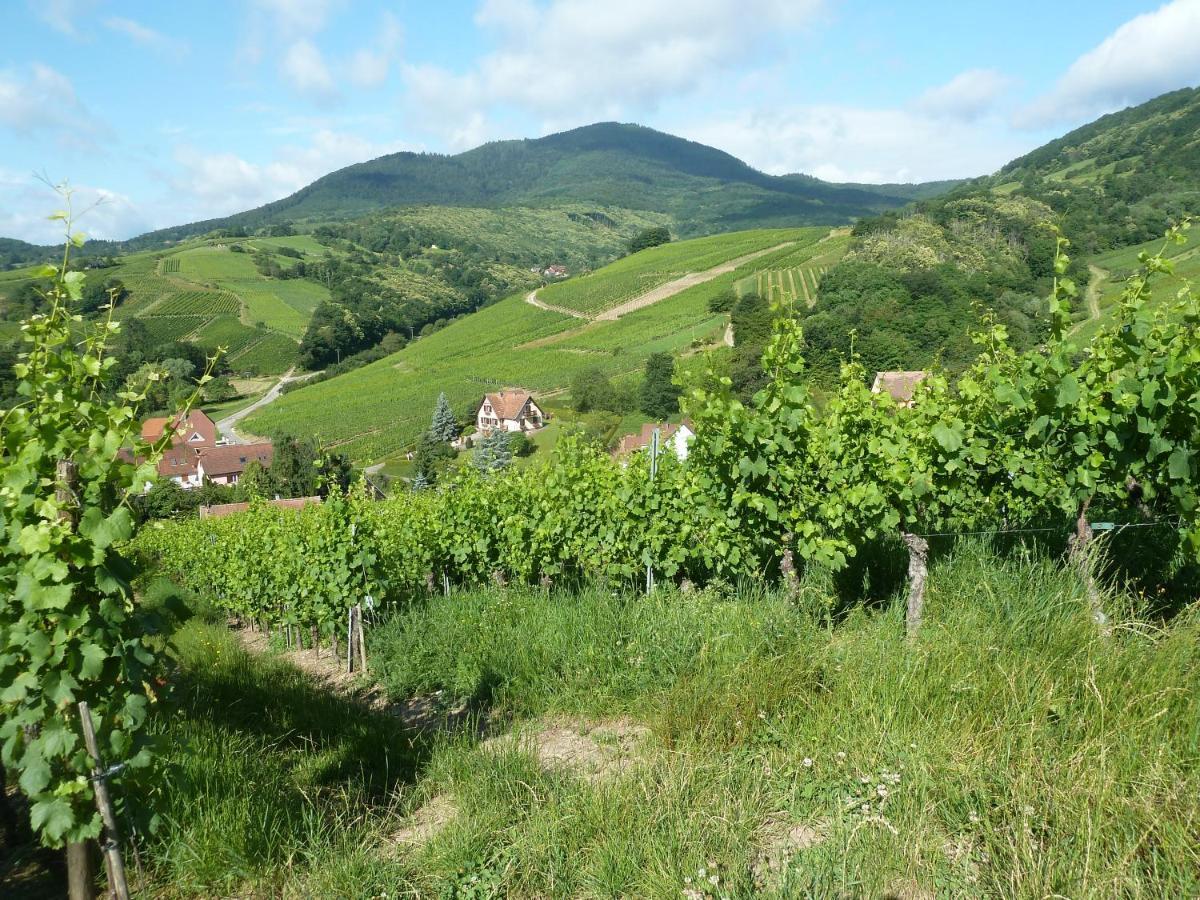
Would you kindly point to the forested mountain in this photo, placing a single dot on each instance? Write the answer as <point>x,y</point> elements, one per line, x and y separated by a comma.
<point>630,166</point>
<point>914,283</point>
<point>1116,181</point>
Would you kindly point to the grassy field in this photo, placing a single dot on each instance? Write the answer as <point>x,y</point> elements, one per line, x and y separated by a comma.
<point>727,742</point>
<point>375,411</point>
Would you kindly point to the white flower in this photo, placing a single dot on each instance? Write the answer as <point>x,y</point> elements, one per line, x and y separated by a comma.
<point>882,792</point>
<point>807,763</point>
<point>841,756</point>
<point>974,817</point>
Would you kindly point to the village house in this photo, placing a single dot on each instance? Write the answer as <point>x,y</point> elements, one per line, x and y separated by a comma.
<point>225,464</point>
<point>196,452</point>
<point>670,437</point>
<point>513,411</point>
<point>555,271</point>
<point>900,386</point>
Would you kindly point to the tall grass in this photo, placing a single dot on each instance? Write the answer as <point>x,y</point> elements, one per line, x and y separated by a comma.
<point>1008,751</point>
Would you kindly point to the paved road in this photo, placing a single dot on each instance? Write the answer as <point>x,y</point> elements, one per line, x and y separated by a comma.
<point>227,426</point>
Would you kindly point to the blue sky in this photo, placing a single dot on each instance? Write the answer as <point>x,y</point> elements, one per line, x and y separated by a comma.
<point>174,112</point>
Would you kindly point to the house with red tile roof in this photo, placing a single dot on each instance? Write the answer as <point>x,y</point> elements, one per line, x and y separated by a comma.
<point>196,453</point>
<point>509,410</point>
<point>224,464</point>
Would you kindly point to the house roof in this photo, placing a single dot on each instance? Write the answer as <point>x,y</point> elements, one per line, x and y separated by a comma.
<point>507,404</point>
<point>900,385</point>
<point>232,459</point>
<point>633,442</point>
<point>152,429</point>
<point>227,509</point>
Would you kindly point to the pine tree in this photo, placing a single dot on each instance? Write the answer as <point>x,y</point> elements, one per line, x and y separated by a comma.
<point>421,482</point>
<point>444,426</point>
<point>493,452</point>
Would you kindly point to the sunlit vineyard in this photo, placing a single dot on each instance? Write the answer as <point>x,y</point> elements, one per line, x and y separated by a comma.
<point>196,303</point>
<point>383,407</point>
<point>634,275</point>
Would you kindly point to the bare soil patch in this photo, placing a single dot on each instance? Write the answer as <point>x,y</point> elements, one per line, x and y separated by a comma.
<point>782,840</point>
<point>594,751</point>
<point>426,823</point>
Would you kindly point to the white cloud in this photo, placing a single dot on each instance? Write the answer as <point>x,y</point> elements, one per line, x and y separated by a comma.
<point>968,95</point>
<point>297,17</point>
<point>577,58</point>
<point>43,100</point>
<point>843,143</point>
<point>1148,55</point>
<point>141,34</point>
<point>102,214</point>
<point>304,68</point>
<point>218,184</point>
<point>369,66</point>
<point>61,15</point>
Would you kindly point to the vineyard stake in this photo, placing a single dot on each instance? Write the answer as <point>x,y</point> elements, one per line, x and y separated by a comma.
<point>918,558</point>
<point>653,474</point>
<point>349,641</point>
<point>79,862</point>
<point>112,847</point>
<point>362,643</point>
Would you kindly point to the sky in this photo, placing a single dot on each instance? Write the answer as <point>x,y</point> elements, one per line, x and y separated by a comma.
<point>164,113</point>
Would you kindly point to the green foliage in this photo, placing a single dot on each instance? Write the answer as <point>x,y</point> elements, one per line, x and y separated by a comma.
<point>1020,438</point>
<point>69,629</point>
<point>659,394</point>
<point>649,237</point>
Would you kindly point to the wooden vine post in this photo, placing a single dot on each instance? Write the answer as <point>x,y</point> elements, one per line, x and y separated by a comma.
<point>80,877</point>
<point>112,847</point>
<point>918,571</point>
<point>1082,555</point>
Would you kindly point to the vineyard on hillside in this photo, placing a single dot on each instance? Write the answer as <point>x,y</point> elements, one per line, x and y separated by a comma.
<point>383,407</point>
<point>639,272</point>
<point>1062,435</point>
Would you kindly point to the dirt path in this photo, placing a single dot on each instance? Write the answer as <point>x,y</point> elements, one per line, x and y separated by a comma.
<point>228,425</point>
<point>662,292</point>
<point>531,298</point>
<point>727,338</point>
<point>1092,294</point>
<point>671,288</point>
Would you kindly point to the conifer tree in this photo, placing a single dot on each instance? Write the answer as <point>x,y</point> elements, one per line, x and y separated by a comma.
<point>444,426</point>
<point>493,453</point>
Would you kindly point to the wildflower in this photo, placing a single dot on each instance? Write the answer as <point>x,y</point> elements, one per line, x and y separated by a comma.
<point>974,817</point>
<point>865,808</point>
<point>882,792</point>
<point>807,763</point>
<point>863,779</point>
<point>713,880</point>
<point>841,756</point>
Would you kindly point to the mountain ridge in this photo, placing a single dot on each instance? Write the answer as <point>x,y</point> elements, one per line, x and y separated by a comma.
<point>608,163</point>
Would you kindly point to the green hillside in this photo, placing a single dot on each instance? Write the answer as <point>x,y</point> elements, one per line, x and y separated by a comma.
<point>1118,180</point>
<point>379,409</point>
<point>701,189</point>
